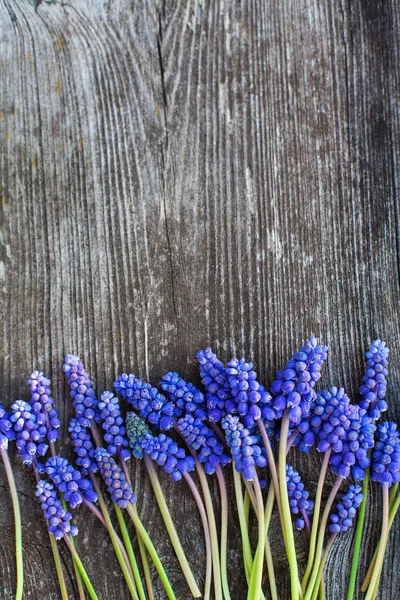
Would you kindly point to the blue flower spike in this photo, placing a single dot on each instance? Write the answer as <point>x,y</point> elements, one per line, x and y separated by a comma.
<point>42,404</point>
<point>117,485</point>
<point>246,448</point>
<point>58,518</point>
<point>114,426</point>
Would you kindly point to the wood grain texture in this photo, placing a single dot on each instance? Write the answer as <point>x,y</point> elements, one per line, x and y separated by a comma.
<point>188,173</point>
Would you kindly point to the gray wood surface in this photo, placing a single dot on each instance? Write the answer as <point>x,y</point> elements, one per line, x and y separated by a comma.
<point>188,173</point>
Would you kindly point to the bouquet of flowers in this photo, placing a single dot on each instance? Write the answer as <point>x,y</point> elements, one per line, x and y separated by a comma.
<point>233,427</point>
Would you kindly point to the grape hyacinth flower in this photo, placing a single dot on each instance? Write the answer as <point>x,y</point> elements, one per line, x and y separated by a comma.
<point>114,426</point>
<point>117,485</point>
<point>187,399</point>
<point>69,482</point>
<point>373,388</point>
<point>298,498</point>
<point>83,447</point>
<point>7,433</point>
<point>42,404</point>
<point>30,435</point>
<point>215,380</point>
<point>203,440</point>
<point>82,392</point>
<point>251,400</point>
<point>137,430</point>
<point>386,455</point>
<point>58,518</point>
<point>146,400</point>
<point>346,509</point>
<point>166,453</point>
<point>6,429</point>
<point>246,449</point>
<point>293,387</point>
<point>385,470</point>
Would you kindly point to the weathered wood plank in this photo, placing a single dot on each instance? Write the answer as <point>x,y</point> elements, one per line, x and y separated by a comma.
<point>179,174</point>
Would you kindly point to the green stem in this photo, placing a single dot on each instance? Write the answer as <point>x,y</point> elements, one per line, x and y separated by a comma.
<point>146,567</point>
<point>116,544</point>
<point>59,569</point>
<point>246,507</point>
<point>254,591</point>
<point>132,511</point>
<point>286,515</point>
<point>320,544</point>
<point>79,582</point>
<point>224,532</point>
<point>243,523</point>
<point>207,541</point>
<point>17,524</point>
<point>267,519</point>
<point>316,513</point>
<point>169,524</point>
<point>272,466</point>
<point>130,552</point>
<point>382,546</point>
<point>81,568</point>
<point>212,528</point>
<point>357,543</point>
<point>394,505</point>
<point>317,587</point>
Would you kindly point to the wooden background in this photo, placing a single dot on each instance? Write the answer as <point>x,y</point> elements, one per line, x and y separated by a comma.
<point>184,173</point>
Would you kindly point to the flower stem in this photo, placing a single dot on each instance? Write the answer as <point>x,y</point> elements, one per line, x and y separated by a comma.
<point>207,541</point>
<point>171,529</point>
<point>79,582</point>
<point>271,462</point>
<point>117,546</point>
<point>254,591</point>
<point>17,524</point>
<point>394,505</point>
<point>81,568</point>
<point>382,546</point>
<point>59,569</point>
<point>210,516</point>
<point>212,528</point>
<point>320,543</point>
<point>246,548</point>
<point>317,587</point>
<point>359,531</point>
<point>146,567</point>
<point>132,511</point>
<point>314,528</point>
<point>224,532</point>
<point>286,516</point>
<point>267,518</point>
<point>129,549</point>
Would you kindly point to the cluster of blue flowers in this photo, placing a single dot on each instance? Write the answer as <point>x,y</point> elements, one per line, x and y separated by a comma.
<point>166,453</point>
<point>114,426</point>
<point>298,497</point>
<point>83,447</point>
<point>203,440</point>
<point>117,485</point>
<point>6,429</point>
<point>386,455</point>
<point>245,447</point>
<point>82,392</point>
<point>373,389</point>
<point>69,481</point>
<point>30,434</point>
<point>186,398</point>
<point>343,517</point>
<point>42,404</point>
<point>146,400</point>
<point>58,518</point>
<point>137,430</point>
<point>292,389</point>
